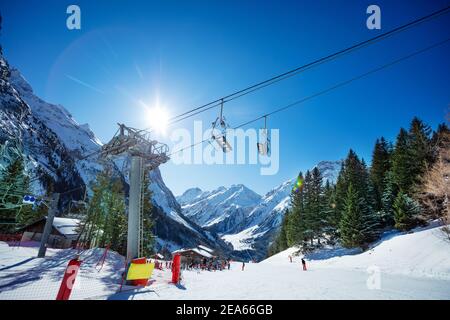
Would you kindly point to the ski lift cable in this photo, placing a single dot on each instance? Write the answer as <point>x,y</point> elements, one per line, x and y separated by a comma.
<point>320,93</point>
<point>293,72</point>
<point>341,84</point>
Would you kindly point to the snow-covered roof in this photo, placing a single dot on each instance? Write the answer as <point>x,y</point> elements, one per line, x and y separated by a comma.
<point>199,251</point>
<point>206,248</point>
<point>203,252</point>
<point>66,226</point>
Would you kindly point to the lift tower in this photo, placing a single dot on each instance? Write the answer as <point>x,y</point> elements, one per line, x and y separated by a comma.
<point>144,153</point>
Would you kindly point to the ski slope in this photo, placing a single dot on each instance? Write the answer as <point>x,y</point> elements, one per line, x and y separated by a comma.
<point>411,266</point>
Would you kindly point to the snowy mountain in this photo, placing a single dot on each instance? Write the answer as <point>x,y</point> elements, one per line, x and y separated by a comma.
<point>48,136</point>
<point>220,210</point>
<point>245,220</point>
<point>330,170</point>
<point>22,132</point>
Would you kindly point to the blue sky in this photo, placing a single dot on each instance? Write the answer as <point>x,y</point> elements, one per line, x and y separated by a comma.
<point>187,53</point>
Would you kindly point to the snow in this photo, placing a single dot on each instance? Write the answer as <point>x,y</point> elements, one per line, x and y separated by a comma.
<point>411,266</point>
<point>66,226</point>
<point>424,253</point>
<point>175,216</point>
<point>210,208</point>
<point>200,251</point>
<point>243,240</point>
<point>206,248</point>
<point>23,276</point>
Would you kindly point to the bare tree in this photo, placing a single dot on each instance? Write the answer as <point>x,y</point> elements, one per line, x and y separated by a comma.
<point>436,187</point>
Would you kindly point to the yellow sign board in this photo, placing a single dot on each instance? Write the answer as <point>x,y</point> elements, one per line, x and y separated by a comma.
<point>140,271</point>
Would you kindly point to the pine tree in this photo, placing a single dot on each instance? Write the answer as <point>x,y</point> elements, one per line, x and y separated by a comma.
<point>295,220</point>
<point>280,242</point>
<point>114,222</point>
<point>405,210</point>
<point>402,162</point>
<point>351,222</point>
<point>412,155</point>
<point>92,224</point>
<point>14,185</point>
<point>329,212</point>
<point>307,223</point>
<point>387,201</point>
<point>318,215</point>
<point>420,149</point>
<point>354,173</point>
<point>105,222</point>
<point>358,225</point>
<point>378,170</point>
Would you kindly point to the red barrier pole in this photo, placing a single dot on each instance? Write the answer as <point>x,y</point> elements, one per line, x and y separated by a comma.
<point>176,269</point>
<point>68,280</point>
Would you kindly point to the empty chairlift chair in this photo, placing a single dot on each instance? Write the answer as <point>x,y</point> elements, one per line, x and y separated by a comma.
<point>219,128</point>
<point>264,142</point>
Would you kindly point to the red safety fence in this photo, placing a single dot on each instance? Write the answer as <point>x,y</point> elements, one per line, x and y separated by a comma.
<point>11,237</point>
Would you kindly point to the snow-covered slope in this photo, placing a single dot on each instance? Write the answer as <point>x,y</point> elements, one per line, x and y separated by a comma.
<point>401,266</point>
<point>425,252</point>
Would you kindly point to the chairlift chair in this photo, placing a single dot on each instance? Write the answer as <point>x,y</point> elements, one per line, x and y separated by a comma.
<point>221,137</point>
<point>264,144</point>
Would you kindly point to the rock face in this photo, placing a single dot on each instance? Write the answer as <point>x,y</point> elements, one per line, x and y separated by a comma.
<point>55,145</point>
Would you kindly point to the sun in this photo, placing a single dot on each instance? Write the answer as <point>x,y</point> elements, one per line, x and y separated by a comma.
<point>158,118</point>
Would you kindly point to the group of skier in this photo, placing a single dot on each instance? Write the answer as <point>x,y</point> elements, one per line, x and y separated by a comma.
<point>303,263</point>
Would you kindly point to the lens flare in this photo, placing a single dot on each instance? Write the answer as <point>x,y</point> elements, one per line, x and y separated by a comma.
<point>298,186</point>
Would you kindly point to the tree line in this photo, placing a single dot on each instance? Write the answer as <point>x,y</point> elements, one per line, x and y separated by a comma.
<point>406,185</point>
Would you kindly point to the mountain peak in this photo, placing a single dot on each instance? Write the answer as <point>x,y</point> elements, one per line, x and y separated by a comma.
<point>189,195</point>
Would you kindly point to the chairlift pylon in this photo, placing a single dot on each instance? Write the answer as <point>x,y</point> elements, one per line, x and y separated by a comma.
<point>221,125</point>
<point>264,144</point>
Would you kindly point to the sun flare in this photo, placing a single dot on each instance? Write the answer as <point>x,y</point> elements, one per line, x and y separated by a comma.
<point>158,118</point>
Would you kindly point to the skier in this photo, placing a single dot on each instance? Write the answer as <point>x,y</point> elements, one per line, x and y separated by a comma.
<point>243,266</point>
<point>290,258</point>
<point>229,264</point>
<point>304,264</point>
